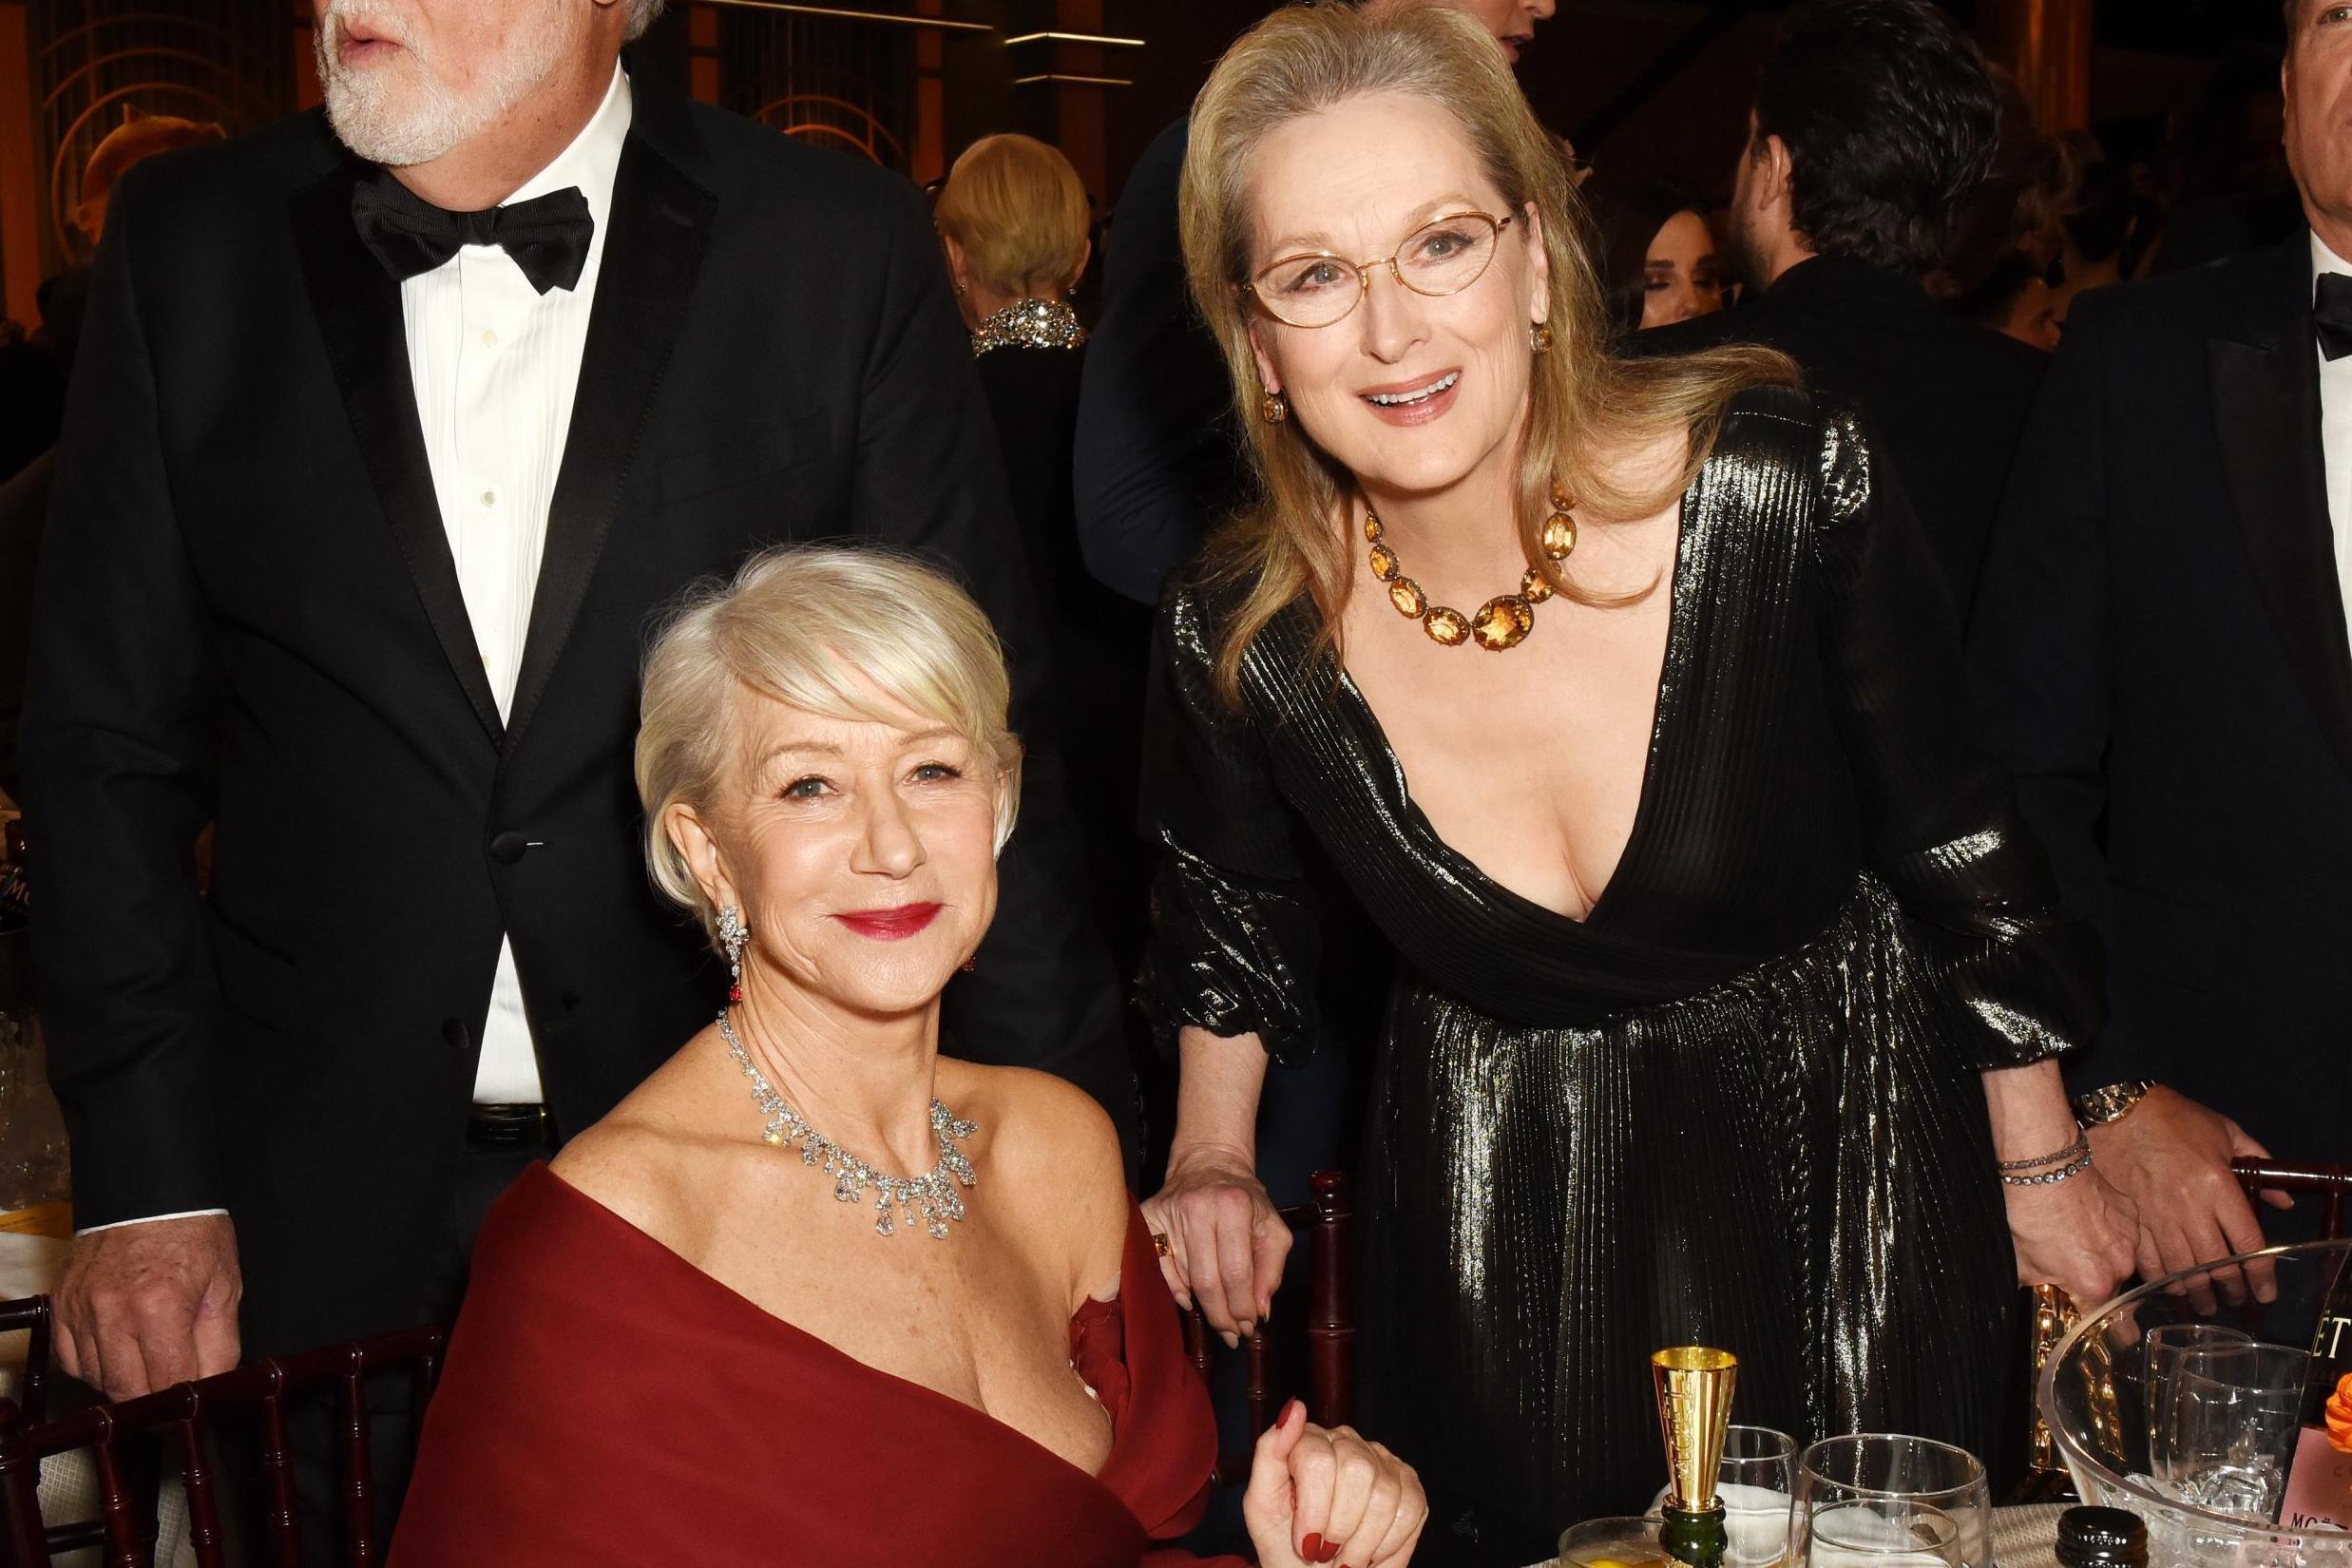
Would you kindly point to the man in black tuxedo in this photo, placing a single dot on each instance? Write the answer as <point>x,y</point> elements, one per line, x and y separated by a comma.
<point>1875,121</point>
<point>2160,652</point>
<point>381,453</point>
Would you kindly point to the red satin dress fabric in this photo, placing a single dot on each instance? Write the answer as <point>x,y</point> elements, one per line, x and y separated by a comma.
<point>607,1404</point>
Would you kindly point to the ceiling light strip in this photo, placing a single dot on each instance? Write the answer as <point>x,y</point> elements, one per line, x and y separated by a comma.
<point>1107,40</point>
<point>841,15</point>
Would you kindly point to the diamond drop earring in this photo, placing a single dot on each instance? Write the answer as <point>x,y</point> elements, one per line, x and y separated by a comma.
<point>733,935</point>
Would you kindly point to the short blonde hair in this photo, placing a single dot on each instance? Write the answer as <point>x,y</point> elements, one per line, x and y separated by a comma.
<point>824,629</point>
<point>1586,406</point>
<point>1018,211</point>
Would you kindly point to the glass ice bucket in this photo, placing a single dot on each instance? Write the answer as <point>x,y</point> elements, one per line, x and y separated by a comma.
<point>2122,1396</point>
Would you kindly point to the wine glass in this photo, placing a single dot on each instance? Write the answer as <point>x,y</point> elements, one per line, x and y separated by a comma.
<point>1884,1500</point>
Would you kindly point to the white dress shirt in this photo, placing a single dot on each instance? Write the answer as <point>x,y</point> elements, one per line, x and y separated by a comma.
<point>2336,430</point>
<point>495,365</point>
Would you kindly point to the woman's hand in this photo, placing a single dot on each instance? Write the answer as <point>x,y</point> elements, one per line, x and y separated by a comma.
<point>1226,1244</point>
<point>1329,1497</point>
<point>2080,1234</point>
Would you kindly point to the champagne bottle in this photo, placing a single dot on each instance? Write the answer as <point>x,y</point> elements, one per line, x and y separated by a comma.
<point>1693,1387</point>
<point>2319,1483</point>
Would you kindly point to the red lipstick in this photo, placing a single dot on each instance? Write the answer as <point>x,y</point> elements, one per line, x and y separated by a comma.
<point>890,924</point>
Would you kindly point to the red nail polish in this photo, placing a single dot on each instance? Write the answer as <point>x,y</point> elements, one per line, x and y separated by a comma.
<point>1311,1550</point>
<point>1283,1420</point>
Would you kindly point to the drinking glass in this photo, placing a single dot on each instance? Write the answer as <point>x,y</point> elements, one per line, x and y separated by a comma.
<point>2231,1421</point>
<point>1757,1481</point>
<point>2167,1349</point>
<point>1881,1533</point>
<point>1613,1543</point>
<point>1892,1502</point>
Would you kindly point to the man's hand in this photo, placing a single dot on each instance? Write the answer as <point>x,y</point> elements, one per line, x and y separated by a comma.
<point>2171,1157</point>
<point>145,1306</point>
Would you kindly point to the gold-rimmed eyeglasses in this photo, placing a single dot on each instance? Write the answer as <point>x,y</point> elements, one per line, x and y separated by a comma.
<point>1316,288</point>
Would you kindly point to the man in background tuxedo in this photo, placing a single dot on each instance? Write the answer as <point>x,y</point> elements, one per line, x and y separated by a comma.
<point>2160,652</point>
<point>1875,123</point>
<point>381,455</point>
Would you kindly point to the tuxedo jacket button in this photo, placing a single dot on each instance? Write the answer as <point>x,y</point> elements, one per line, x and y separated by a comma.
<point>454,1034</point>
<point>507,848</point>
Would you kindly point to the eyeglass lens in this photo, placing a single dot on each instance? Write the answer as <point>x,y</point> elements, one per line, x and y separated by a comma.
<point>1441,258</point>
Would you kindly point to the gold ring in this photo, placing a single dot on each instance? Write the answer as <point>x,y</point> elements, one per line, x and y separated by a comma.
<point>1159,1243</point>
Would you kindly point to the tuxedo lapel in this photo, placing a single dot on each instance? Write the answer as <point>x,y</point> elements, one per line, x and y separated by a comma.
<point>2266,409</point>
<point>359,308</point>
<point>659,218</point>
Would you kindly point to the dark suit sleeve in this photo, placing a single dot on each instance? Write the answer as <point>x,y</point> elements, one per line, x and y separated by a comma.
<point>117,752</point>
<point>2039,650</point>
<point>2005,979</point>
<point>928,479</point>
<point>1155,454</point>
<point>23,502</point>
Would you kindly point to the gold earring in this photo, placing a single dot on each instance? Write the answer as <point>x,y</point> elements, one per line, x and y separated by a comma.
<point>1539,337</point>
<point>1273,408</point>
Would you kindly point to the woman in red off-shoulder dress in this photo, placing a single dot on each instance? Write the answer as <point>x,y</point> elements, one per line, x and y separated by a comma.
<point>685,1341</point>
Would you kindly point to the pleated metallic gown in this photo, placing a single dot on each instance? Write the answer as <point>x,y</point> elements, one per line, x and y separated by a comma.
<point>1740,1104</point>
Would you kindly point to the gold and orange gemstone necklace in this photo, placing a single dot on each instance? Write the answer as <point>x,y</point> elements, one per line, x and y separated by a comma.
<point>1503,622</point>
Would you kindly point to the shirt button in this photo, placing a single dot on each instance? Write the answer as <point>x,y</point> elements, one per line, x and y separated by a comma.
<point>489,498</point>
<point>489,338</point>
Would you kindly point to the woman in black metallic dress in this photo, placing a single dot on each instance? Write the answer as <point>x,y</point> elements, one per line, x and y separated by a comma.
<point>1727,980</point>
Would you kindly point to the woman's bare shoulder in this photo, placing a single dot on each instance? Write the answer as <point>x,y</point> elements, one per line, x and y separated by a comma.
<point>644,1160</point>
<point>1054,1160</point>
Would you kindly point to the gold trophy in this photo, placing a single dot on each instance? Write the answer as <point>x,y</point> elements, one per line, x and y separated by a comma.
<point>1694,1416</point>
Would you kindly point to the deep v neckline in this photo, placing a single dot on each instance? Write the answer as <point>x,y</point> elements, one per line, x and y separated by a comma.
<point>921,1392</point>
<point>1679,624</point>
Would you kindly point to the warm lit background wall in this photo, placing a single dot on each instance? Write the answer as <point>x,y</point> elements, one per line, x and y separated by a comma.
<point>1649,88</point>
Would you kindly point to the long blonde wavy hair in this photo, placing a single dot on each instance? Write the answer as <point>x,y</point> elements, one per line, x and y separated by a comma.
<point>1586,407</point>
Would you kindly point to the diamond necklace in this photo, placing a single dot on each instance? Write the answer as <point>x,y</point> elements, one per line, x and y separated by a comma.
<point>929,1199</point>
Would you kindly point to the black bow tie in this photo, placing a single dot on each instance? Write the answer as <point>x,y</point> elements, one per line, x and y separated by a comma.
<point>2332,315</point>
<point>548,237</point>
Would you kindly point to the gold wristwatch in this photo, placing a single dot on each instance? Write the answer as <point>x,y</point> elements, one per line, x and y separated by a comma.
<point>2112,1103</point>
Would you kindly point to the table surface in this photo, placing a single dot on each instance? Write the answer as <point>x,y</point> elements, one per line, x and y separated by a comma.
<point>2022,1537</point>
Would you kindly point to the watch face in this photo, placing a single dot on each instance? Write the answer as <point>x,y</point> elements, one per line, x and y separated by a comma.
<point>2104,1105</point>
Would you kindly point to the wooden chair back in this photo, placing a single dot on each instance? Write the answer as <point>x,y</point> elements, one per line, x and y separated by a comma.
<point>2328,1183</point>
<point>182,1417</point>
<point>1327,1219</point>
